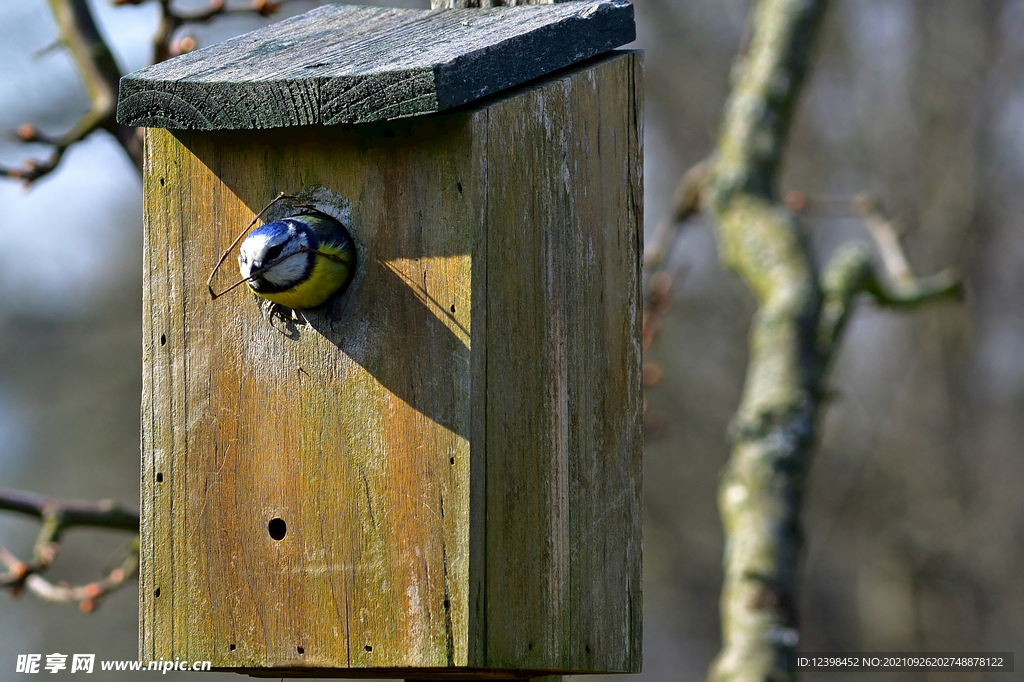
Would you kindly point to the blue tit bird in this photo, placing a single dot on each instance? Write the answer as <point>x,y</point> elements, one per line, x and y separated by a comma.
<point>299,261</point>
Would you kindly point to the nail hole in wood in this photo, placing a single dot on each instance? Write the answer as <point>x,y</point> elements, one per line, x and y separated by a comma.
<point>530,646</point>
<point>453,307</point>
<point>156,592</point>
<point>368,647</point>
<point>588,648</point>
<point>459,185</point>
<point>451,461</point>
<point>163,339</point>
<point>300,650</point>
<point>159,477</point>
<point>231,647</point>
<point>277,528</point>
<point>161,182</point>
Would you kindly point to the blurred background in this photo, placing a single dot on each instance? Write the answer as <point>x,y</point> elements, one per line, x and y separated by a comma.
<point>915,508</point>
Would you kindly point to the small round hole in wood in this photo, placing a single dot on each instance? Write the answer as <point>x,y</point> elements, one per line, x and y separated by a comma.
<point>277,528</point>
<point>368,647</point>
<point>156,592</point>
<point>163,339</point>
<point>300,650</point>
<point>159,477</point>
<point>231,647</point>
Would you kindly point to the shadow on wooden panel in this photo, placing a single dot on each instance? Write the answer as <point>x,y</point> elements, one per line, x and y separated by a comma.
<point>404,318</point>
<point>405,344</point>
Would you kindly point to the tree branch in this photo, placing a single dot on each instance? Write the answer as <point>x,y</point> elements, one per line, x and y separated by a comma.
<point>100,75</point>
<point>103,514</point>
<point>166,46</point>
<point>760,239</point>
<point>851,272</point>
<point>685,204</point>
<point>56,517</point>
<point>795,331</point>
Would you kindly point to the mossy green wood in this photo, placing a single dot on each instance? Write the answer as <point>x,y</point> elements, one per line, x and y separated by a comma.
<point>456,453</point>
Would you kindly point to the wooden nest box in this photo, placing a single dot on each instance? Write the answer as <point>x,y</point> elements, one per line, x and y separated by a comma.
<point>438,475</point>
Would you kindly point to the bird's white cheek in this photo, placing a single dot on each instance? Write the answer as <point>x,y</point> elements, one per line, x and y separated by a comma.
<point>287,272</point>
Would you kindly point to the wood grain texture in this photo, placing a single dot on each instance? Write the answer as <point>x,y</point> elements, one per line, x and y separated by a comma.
<point>355,432</point>
<point>563,392</point>
<point>350,64</point>
<point>484,4</point>
<point>456,454</point>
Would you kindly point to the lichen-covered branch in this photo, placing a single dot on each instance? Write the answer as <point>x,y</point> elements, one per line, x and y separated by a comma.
<point>798,324</point>
<point>57,516</point>
<point>851,272</point>
<point>760,239</point>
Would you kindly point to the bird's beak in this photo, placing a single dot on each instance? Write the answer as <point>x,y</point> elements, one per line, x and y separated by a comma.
<point>254,281</point>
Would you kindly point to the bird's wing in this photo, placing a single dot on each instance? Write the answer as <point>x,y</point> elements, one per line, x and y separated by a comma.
<point>329,230</point>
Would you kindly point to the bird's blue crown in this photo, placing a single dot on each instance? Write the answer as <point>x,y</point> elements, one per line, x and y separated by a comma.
<point>277,229</point>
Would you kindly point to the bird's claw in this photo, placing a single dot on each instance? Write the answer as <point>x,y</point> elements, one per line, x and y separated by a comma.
<point>280,317</point>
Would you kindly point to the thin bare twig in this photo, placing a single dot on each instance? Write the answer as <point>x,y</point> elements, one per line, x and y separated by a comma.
<point>900,286</point>
<point>886,236</point>
<point>892,283</point>
<point>77,30</point>
<point>103,514</point>
<point>88,595</point>
<point>100,74</point>
<point>166,45</point>
<point>58,516</point>
<point>685,204</point>
<point>227,252</point>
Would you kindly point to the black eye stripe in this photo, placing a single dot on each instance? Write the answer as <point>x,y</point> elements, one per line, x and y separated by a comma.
<point>273,252</point>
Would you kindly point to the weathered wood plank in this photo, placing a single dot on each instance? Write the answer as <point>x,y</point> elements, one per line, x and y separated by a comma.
<point>463,4</point>
<point>563,393</point>
<point>349,64</point>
